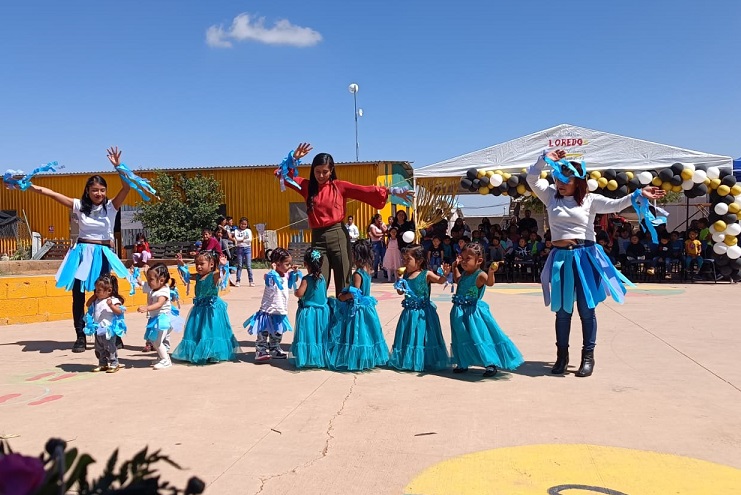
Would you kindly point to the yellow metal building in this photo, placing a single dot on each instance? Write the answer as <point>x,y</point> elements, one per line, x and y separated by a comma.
<point>250,191</point>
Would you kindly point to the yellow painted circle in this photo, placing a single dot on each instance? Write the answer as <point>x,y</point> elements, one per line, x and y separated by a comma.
<point>574,470</point>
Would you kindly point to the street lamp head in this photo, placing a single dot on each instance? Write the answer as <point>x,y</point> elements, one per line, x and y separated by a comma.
<point>353,88</point>
<point>360,112</point>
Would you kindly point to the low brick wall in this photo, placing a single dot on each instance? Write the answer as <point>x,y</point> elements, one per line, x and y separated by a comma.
<point>35,298</point>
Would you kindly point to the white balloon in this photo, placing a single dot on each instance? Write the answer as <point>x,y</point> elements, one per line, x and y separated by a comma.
<point>687,185</point>
<point>718,237</point>
<point>720,248</point>
<point>699,176</point>
<point>495,180</point>
<point>527,194</point>
<point>408,236</point>
<point>721,208</point>
<point>645,178</point>
<point>592,184</point>
<point>712,229</point>
<point>737,200</point>
<point>689,166</point>
<point>734,229</point>
<point>713,172</point>
<point>733,252</point>
<point>542,183</point>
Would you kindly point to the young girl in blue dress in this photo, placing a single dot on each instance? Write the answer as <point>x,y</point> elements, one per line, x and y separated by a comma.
<point>161,321</point>
<point>476,339</point>
<point>271,321</point>
<point>356,338</point>
<point>105,321</point>
<point>418,344</point>
<point>309,348</point>
<point>208,336</point>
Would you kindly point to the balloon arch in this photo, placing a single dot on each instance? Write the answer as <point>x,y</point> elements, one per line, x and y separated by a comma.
<point>692,180</point>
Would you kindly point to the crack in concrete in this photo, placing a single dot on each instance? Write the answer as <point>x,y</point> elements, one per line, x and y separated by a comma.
<point>325,450</point>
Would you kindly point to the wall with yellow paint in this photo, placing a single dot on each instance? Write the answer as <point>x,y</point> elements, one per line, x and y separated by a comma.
<point>248,191</point>
<point>32,299</point>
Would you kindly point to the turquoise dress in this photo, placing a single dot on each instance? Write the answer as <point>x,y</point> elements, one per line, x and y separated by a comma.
<point>419,344</point>
<point>476,339</point>
<point>309,348</point>
<point>208,333</point>
<point>356,338</point>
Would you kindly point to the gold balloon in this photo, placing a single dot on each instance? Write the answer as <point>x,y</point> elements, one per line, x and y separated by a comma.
<point>602,182</point>
<point>730,240</point>
<point>543,174</point>
<point>523,171</point>
<point>656,182</point>
<point>612,185</point>
<point>498,172</point>
<point>723,190</point>
<point>677,189</point>
<point>687,174</point>
<point>666,186</point>
<point>736,190</point>
<point>720,226</point>
<point>400,271</point>
<point>490,173</point>
<point>734,208</point>
<point>506,175</point>
<point>714,183</point>
<point>630,175</point>
<point>495,266</point>
<point>481,173</point>
<point>706,182</point>
<point>505,193</point>
<point>521,188</point>
<point>483,190</point>
<point>595,174</point>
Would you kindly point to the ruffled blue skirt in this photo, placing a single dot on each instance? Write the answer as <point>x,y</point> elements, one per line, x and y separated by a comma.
<point>208,336</point>
<point>418,343</point>
<point>598,276</point>
<point>84,262</point>
<point>266,322</point>
<point>309,347</point>
<point>477,340</point>
<point>356,340</point>
<point>162,323</point>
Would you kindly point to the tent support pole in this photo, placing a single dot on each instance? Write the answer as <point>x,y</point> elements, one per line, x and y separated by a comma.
<point>414,204</point>
<point>686,213</point>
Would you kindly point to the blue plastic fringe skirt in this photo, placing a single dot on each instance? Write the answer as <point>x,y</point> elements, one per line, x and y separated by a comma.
<point>477,340</point>
<point>418,343</point>
<point>84,262</point>
<point>356,340</point>
<point>598,276</point>
<point>309,347</point>
<point>162,323</point>
<point>208,333</point>
<point>266,322</point>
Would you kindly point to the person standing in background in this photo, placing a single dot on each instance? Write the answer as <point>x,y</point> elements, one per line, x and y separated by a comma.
<point>352,229</point>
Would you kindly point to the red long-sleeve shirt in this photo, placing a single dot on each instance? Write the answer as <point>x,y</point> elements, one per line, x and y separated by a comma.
<point>331,200</point>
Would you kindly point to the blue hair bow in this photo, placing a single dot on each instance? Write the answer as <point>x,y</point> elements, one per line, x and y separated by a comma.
<point>288,169</point>
<point>560,164</point>
<point>315,255</point>
<point>138,184</point>
<point>294,278</point>
<point>25,182</point>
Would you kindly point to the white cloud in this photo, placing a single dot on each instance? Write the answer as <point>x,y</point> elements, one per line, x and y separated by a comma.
<point>250,28</point>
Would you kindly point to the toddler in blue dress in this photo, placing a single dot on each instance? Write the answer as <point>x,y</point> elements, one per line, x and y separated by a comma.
<point>309,348</point>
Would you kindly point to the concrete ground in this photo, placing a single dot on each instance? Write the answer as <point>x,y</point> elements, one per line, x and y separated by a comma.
<point>667,380</point>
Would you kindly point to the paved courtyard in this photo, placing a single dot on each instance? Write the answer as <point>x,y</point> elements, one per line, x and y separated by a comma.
<point>667,381</point>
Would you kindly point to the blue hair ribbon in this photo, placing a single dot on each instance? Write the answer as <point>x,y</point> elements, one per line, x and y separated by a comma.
<point>138,184</point>
<point>647,220</point>
<point>287,170</point>
<point>24,182</point>
<point>294,278</point>
<point>315,255</point>
<point>184,274</point>
<point>560,164</point>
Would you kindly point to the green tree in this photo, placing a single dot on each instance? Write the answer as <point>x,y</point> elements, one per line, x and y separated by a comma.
<point>186,205</point>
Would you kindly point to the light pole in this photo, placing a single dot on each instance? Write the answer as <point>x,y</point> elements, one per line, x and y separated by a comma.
<point>353,88</point>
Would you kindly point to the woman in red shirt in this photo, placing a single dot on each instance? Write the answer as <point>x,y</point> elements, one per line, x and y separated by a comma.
<point>326,199</point>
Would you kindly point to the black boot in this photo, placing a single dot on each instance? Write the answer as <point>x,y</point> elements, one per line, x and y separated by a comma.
<point>587,363</point>
<point>562,361</point>
<point>80,344</point>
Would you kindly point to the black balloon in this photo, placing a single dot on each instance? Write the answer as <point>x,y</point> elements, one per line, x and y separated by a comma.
<point>700,190</point>
<point>666,174</point>
<point>549,178</point>
<point>634,184</point>
<point>728,180</point>
<point>472,173</point>
<point>690,194</point>
<point>704,168</point>
<point>726,271</point>
<point>676,168</point>
<point>484,181</point>
<point>512,191</point>
<point>676,180</point>
<point>723,173</point>
<point>609,174</point>
<point>473,189</point>
<point>466,183</point>
<point>503,187</point>
<point>722,260</point>
<point>621,178</point>
<point>476,183</point>
<point>495,191</point>
<point>729,218</point>
<point>735,264</point>
<point>622,191</point>
<point>727,199</point>
<point>513,181</point>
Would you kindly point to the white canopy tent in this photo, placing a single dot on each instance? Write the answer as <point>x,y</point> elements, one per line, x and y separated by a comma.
<point>600,150</point>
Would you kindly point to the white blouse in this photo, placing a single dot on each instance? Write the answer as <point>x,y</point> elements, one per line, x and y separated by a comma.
<point>98,225</point>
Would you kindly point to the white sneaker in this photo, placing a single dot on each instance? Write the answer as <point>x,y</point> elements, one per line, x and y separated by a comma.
<point>237,284</point>
<point>163,365</point>
<point>252,284</point>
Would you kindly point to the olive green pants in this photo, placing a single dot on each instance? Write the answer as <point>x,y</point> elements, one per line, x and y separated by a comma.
<point>334,244</point>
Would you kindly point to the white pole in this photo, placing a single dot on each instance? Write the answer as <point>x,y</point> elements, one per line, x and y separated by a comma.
<point>414,204</point>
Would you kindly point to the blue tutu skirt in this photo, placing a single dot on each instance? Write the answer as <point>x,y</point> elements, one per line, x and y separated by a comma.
<point>117,327</point>
<point>418,343</point>
<point>84,262</point>
<point>208,336</point>
<point>266,322</point>
<point>309,347</point>
<point>162,323</point>
<point>597,274</point>
<point>356,340</point>
<point>477,340</point>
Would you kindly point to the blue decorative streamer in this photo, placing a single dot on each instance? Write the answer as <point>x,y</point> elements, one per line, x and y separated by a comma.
<point>647,220</point>
<point>138,184</point>
<point>272,278</point>
<point>294,279</point>
<point>559,175</point>
<point>403,286</point>
<point>133,279</point>
<point>287,170</point>
<point>25,182</point>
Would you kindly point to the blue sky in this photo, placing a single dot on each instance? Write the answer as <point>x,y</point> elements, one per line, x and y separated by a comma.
<point>437,79</point>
